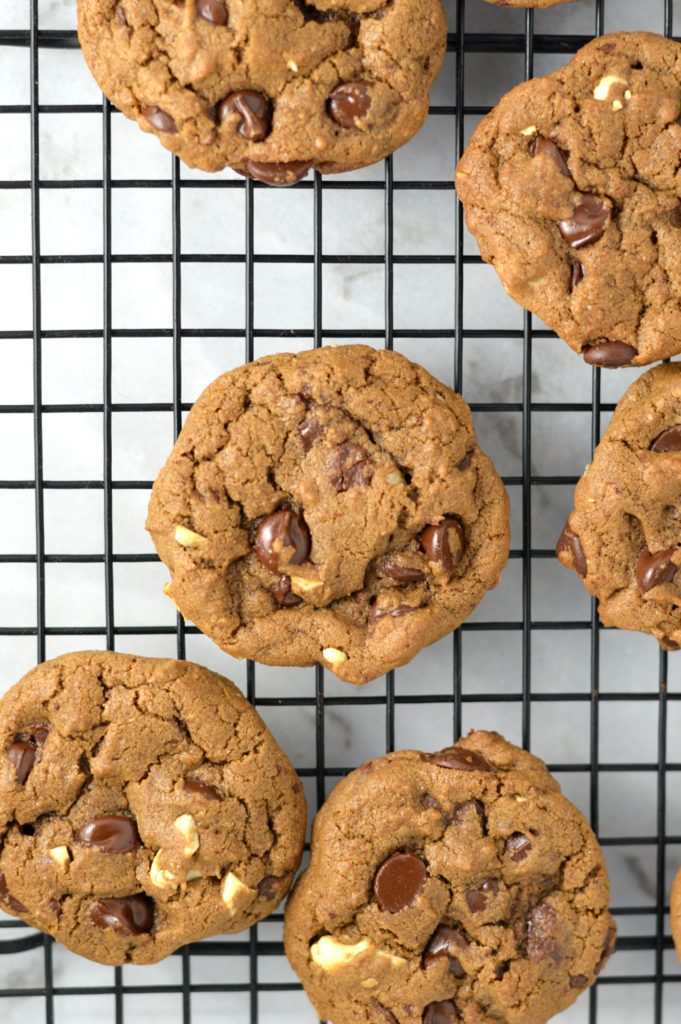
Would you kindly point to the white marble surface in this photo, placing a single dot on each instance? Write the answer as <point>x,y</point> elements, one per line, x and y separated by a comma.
<point>213,222</point>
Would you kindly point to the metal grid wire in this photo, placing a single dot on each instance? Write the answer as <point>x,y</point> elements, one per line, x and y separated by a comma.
<point>41,1000</point>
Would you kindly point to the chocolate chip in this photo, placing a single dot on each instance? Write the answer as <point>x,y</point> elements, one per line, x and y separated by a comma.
<point>283,595</point>
<point>55,907</point>
<point>541,146</point>
<point>429,803</point>
<point>7,898</point>
<point>203,789</point>
<point>282,539</point>
<point>22,756</point>
<point>160,120</point>
<point>254,111</point>
<point>391,568</point>
<point>110,833</point>
<point>576,274</point>
<point>388,1016</point>
<point>501,969</point>
<point>466,461</point>
<point>668,441</point>
<point>446,942</point>
<point>349,103</point>
<point>350,466</point>
<point>309,430</point>
<point>398,882</point>
<point>669,645</point>
<point>393,613</point>
<point>269,887</point>
<point>441,1013</point>
<point>588,222</point>
<point>214,11</point>
<point>609,353</point>
<point>579,981</point>
<point>120,15</point>
<point>39,734</point>
<point>518,846</point>
<point>444,543</point>
<point>277,173</point>
<point>461,759</point>
<point>126,915</point>
<point>608,949</point>
<point>570,544</point>
<point>542,941</point>
<point>477,898</point>
<point>655,569</point>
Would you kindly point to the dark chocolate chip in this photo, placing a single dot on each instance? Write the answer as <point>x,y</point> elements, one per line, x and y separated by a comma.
<point>160,120</point>
<point>387,1015</point>
<point>349,103</point>
<point>22,755</point>
<point>398,882</point>
<point>350,466</point>
<point>609,354</point>
<point>518,846</point>
<point>279,174</point>
<point>576,274</point>
<point>254,111</point>
<point>282,539</point>
<point>390,613</point>
<point>214,11</point>
<point>110,833</point>
<point>446,942</point>
<point>309,430</point>
<point>477,898</point>
<point>401,573</point>
<point>39,734</point>
<point>668,441</point>
<point>466,461</point>
<point>501,969</point>
<point>7,898</point>
<point>461,759</point>
<point>444,543</point>
<point>541,146</point>
<point>570,544</point>
<point>589,220</point>
<point>579,981</point>
<point>655,569</point>
<point>441,1013</point>
<point>542,941</point>
<point>269,887</point>
<point>203,789</point>
<point>669,645</point>
<point>55,907</point>
<point>429,803</point>
<point>608,949</point>
<point>283,595</point>
<point>126,915</point>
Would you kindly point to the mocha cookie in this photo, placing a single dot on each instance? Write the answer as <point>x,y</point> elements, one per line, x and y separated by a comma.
<point>331,507</point>
<point>675,912</point>
<point>570,187</point>
<point>272,89</point>
<point>623,536</point>
<point>143,805</point>
<point>457,886</point>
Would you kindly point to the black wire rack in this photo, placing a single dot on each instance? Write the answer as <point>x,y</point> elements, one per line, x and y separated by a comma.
<point>643,926</point>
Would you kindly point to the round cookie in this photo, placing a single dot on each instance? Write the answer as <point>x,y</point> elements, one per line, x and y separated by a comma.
<point>675,912</point>
<point>623,536</point>
<point>329,507</point>
<point>457,886</point>
<point>570,187</point>
<point>143,805</point>
<point>271,88</point>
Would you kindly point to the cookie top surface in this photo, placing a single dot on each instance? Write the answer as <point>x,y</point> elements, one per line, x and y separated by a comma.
<point>623,536</point>
<point>143,805</point>
<point>329,507</point>
<point>675,912</point>
<point>570,186</point>
<point>459,886</point>
<point>270,87</point>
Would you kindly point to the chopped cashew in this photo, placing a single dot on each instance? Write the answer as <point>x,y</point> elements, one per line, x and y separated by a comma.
<point>395,478</point>
<point>300,583</point>
<point>193,875</point>
<point>530,130</point>
<point>161,877</point>
<point>369,983</point>
<point>328,953</point>
<point>395,961</point>
<point>602,90</point>
<point>231,888</point>
<point>334,656</point>
<point>186,826</point>
<point>187,538</point>
<point>61,856</point>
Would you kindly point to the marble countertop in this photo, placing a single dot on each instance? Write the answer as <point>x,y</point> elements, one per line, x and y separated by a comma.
<point>353,299</point>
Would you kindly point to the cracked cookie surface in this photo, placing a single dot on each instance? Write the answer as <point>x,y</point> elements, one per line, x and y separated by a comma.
<point>624,537</point>
<point>270,87</point>
<point>457,886</point>
<point>571,186</point>
<point>143,805</point>
<point>329,507</point>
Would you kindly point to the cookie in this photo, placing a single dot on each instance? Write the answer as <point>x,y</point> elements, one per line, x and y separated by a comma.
<point>143,805</point>
<point>330,507</point>
<point>675,912</point>
<point>623,536</point>
<point>570,188</point>
<point>271,88</point>
<point>457,886</point>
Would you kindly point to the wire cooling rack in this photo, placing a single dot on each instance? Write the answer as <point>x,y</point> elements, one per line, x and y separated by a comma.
<point>551,680</point>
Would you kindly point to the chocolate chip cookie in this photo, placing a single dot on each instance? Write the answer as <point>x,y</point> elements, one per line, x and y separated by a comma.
<point>623,536</point>
<point>571,190</point>
<point>143,805</point>
<point>273,89</point>
<point>675,912</point>
<point>457,886</point>
<point>331,507</point>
